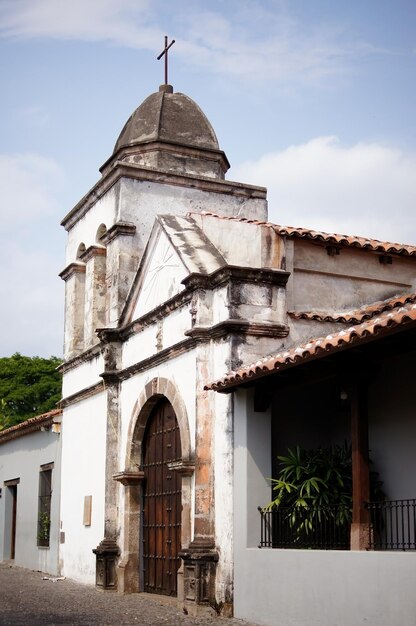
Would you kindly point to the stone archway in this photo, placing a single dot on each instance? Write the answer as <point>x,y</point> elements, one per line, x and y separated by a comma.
<point>129,567</point>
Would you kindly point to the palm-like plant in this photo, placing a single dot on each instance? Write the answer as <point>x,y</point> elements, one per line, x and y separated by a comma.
<point>314,485</point>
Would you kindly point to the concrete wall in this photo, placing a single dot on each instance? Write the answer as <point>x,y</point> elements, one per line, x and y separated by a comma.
<point>21,458</point>
<point>305,587</point>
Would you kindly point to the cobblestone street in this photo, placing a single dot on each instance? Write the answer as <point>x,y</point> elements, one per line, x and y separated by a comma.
<point>28,600</point>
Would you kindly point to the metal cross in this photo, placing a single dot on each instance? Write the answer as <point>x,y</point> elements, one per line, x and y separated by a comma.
<point>165,52</point>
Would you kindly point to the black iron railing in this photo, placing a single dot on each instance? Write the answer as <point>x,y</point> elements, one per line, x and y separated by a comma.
<point>393,524</point>
<point>320,528</point>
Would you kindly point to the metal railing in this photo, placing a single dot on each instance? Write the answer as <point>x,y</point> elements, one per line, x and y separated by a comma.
<point>393,525</point>
<point>320,528</point>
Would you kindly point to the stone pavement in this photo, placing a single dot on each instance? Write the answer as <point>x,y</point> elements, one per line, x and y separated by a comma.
<point>28,600</point>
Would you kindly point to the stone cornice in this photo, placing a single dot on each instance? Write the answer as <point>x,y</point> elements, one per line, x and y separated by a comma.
<point>160,357</point>
<point>72,269</point>
<point>236,273</point>
<point>206,154</point>
<point>82,394</point>
<point>183,467</point>
<point>93,251</point>
<point>129,478</point>
<point>129,170</point>
<point>176,302</point>
<point>223,329</point>
<point>118,229</point>
<point>240,327</point>
<point>75,361</point>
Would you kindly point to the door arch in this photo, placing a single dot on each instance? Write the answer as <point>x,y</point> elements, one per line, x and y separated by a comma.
<point>162,491</point>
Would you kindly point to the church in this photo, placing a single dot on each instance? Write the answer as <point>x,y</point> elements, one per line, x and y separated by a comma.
<point>201,341</point>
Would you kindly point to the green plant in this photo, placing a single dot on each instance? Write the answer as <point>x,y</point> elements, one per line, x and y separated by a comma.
<point>44,526</point>
<point>315,485</point>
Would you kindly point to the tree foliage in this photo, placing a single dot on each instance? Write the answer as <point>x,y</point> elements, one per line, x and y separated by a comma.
<point>29,386</point>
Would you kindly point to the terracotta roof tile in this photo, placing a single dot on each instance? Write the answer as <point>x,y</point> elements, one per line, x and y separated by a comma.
<point>400,315</point>
<point>355,241</point>
<point>355,316</point>
<point>29,425</point>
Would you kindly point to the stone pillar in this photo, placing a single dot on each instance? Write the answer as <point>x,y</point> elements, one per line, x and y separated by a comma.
<point>122,261</point>
<point>128,567</point>
<point>201,556</point>
<point>95,289</point>
<point>111,527</point>
<point>74,277</point>
<point>360,527</point>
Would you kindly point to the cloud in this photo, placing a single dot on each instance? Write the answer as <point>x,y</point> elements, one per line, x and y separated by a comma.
<point>30,186</point>
<point>246,40</point>
<point>366,189</point>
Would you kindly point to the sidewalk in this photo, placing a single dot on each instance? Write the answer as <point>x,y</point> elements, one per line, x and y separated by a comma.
<point>28,600</point>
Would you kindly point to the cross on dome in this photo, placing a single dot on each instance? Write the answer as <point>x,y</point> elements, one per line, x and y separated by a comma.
<point>165,54</point>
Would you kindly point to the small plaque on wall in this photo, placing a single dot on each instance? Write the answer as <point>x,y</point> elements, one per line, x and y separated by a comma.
<point>87,510</point>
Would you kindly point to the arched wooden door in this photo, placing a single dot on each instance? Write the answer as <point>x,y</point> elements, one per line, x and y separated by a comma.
<point>162,501</point>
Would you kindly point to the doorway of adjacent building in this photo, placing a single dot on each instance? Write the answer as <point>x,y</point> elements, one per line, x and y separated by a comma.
<point>10,518</point>
<point>161,501</point>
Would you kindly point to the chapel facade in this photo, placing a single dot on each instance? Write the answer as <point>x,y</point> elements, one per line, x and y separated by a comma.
<point>161,297</point>
<point>173,278</point>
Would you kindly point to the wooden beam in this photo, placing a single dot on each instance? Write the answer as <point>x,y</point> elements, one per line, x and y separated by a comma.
<point>360,527</point>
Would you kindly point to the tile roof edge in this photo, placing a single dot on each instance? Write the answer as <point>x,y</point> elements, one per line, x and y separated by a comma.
<point>354,241</point>
<point>356,316</point>
<point>29,425</point>
<point>315,347</point>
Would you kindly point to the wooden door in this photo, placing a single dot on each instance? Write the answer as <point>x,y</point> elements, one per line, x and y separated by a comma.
<point>162,501</point>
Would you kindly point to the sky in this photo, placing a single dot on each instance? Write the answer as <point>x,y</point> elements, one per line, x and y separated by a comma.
<point>314,99</point>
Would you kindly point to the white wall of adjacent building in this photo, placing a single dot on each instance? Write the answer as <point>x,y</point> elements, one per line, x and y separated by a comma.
<point>21,460</point>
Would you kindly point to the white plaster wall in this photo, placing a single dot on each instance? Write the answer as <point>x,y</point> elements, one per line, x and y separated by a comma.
<point>141,201</point>
<point>219,310</point>
<point>175,325</point>
<point>305,587</point>
<point>84,375</point>
<point>83,474</point>
<point>140,346</point>
<point>22,458</point>
<point>223,481</point>
<point>104,211</point>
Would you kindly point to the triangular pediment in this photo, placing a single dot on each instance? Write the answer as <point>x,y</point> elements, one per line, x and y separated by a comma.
<point>176,248</point>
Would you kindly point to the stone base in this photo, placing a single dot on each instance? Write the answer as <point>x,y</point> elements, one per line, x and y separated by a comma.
<point>128,575</point>
<point>199,566</point>
<point>106,553</point>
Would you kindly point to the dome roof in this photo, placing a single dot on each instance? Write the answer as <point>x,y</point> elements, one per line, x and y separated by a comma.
<point>168,117</point>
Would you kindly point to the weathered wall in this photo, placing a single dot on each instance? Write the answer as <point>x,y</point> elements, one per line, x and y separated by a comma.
<point>348,280</point>
<point>83,474</point>
<point>21,458</point>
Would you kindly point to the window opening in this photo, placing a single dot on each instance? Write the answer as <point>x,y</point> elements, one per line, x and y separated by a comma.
<point>44,509</point>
